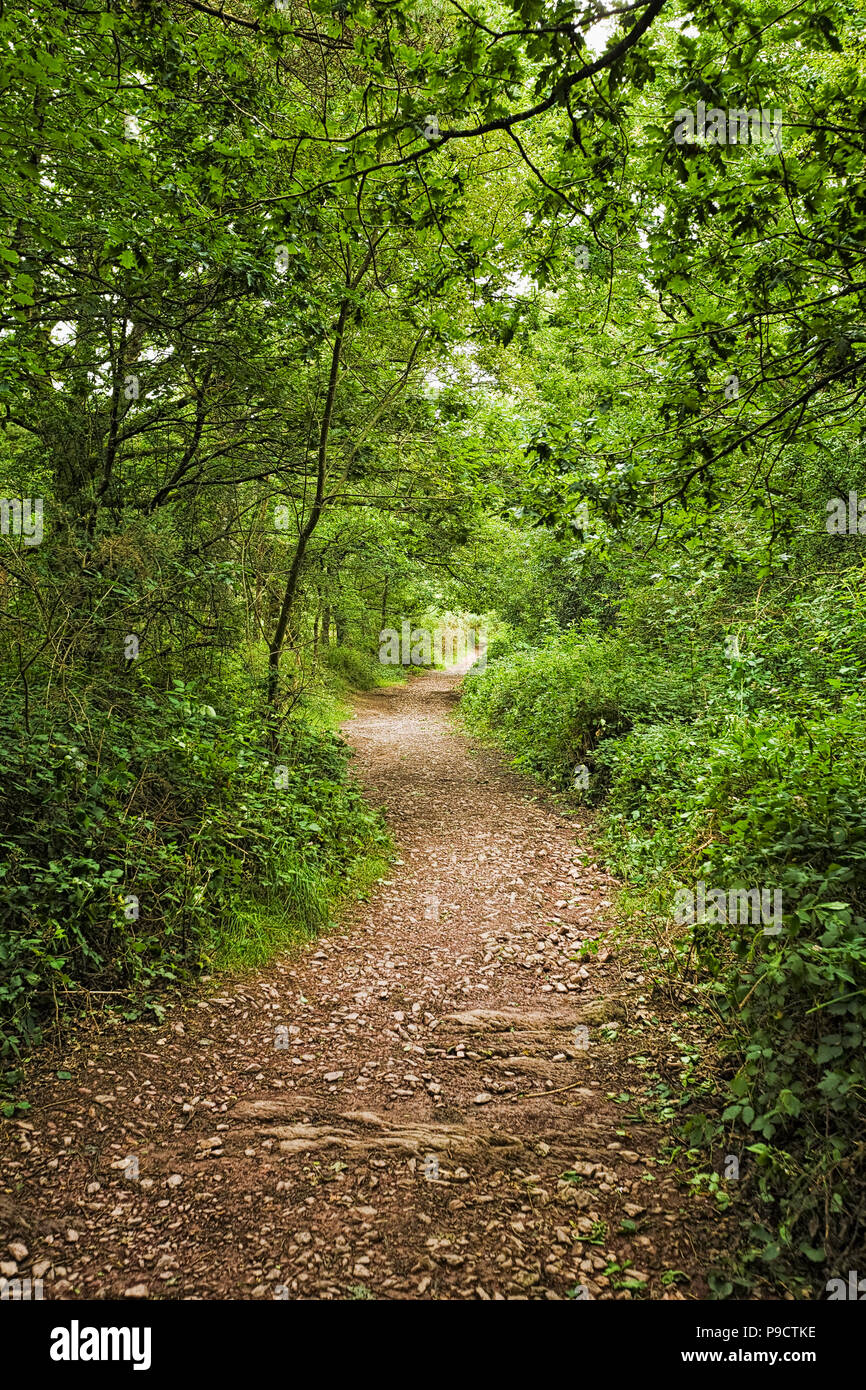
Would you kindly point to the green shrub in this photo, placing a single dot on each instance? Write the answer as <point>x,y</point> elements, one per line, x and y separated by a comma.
<point>125,842</point>
<point>552,706</point>
<point>359,670</point>
<point>776,803</point>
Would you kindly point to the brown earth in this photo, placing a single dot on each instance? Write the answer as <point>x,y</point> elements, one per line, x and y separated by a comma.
<point>427,1103</point>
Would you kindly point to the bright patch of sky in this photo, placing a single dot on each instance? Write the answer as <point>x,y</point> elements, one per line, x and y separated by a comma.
<point>63,332</point>
<point>598,35</point>
<point>437,380</point>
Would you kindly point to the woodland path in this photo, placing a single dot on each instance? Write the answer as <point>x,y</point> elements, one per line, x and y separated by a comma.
<point>411,1139</point>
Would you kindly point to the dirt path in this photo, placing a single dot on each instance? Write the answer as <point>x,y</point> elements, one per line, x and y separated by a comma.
<point>423,1105</point>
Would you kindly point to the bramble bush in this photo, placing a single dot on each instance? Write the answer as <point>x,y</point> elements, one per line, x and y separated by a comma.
<point>175,808</point>
<point>551,706</point>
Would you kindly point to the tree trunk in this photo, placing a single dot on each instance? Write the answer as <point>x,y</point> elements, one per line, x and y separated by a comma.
<point>312,521</point>
<point>318,506</point>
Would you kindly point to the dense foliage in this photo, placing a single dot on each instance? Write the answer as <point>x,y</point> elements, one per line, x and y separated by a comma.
<point>130,845</point>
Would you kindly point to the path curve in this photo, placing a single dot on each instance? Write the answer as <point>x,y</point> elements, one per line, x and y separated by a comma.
<point>422,1106</point>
